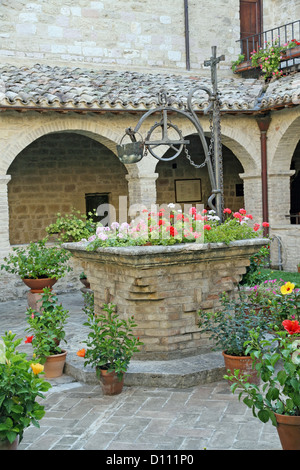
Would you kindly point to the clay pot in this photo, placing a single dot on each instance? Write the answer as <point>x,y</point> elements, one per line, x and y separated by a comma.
<point>6,445</point>
<point>85,282</point>
<point>110,382</point>
<point>54,365</point>
<point>37,285</point>
<point>288,428</point>
<point>243,364</point>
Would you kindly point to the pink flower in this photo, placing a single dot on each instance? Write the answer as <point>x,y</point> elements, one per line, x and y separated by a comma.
<point>227,211</point>
<point>265,224</point>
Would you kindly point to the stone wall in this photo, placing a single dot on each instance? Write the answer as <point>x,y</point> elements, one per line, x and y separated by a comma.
<point>164,287</point>
<point>143,34</point>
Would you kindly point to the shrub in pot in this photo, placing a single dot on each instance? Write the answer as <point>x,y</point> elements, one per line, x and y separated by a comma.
<point>229,327</point>
<point>47,329</point>
<point>38,261</point>
<point>20,387</point>
<point>110,344</point>
<point>277,361</point>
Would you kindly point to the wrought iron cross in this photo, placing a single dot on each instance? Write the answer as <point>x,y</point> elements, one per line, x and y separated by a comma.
<point>218,161</point>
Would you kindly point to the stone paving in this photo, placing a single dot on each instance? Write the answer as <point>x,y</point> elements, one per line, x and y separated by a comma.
<point>79,417</point>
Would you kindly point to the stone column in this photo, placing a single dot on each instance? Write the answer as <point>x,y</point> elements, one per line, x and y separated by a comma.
<point>4,217</point>
<point>252,195</point>
<point>279,200</point>
<point>142,190</point>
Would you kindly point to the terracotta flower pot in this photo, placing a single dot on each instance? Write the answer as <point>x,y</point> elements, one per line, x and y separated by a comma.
<point>110,382</point>
<point>6,445</point>
<point>288,428</point>
<point>85,282</point>
<point>242,363</point>
<point>54,365</point>
<point>37,285</point>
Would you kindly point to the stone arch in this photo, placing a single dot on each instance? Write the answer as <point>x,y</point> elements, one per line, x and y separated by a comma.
<point>285,143</point>
<point>243,145</point>
<point>97,130</point>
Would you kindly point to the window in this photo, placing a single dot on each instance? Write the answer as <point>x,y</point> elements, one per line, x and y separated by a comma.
<point>93,201</point>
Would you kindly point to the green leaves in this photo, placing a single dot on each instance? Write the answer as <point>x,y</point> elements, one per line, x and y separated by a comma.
<point>47,325</point>
<point>111,342</point>
<point>38,260</point>
<point>280,392</point>
<point>19,389</point>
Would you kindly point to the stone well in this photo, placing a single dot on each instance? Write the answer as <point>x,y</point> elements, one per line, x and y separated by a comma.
<point>164,287</point>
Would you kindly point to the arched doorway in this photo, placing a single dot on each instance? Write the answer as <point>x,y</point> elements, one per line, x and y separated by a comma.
<point>295,187</point>
<point>54,174</point>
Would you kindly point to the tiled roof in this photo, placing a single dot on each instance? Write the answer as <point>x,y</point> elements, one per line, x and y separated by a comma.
<point>42,86</point>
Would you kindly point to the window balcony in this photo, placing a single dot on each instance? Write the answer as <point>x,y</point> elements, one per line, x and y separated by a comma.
<point>283,36</point>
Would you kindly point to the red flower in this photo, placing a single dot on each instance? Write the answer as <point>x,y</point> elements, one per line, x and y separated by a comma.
<point>291,326</point>
<point>243,211</point>
<point>265,224</point>
<point>173,231</point>
<point>256,227</point>
<point>161,222</point>
<point>207,227</point>
<point>237,215</point>
<point>227,211</point>
<point>29,339</point>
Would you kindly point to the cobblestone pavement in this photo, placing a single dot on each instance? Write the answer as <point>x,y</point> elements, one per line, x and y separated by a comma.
<point>79,417</point>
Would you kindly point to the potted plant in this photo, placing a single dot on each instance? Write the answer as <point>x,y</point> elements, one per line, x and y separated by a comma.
<point>38,265</point>
<point>229,328</point>
<point>110,346</point>
<point>20,387</point>
<point>278,364</point>
<point>47,331</point>
<point>84,280</point>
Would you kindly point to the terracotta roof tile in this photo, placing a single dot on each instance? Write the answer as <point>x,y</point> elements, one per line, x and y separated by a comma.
<point>78,88</point>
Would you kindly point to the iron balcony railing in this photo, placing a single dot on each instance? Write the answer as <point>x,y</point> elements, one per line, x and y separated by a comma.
<point>283,34</point>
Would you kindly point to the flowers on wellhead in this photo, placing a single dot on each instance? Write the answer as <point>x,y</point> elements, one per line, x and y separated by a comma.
<point>170,225</point>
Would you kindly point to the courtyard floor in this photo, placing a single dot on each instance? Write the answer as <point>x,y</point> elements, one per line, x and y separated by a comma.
<point>79,417</point>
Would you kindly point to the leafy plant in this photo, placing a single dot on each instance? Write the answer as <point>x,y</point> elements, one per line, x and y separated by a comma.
<point>285,303</point>
<point>20,386</point>
<point>238,61</point>
<point>46,326</point>
<point>38,261</point>
<point>280,392</point>
<point>72,227</point>
<point>111,342</point>
<point>254,274</point>
<point>229,327</point>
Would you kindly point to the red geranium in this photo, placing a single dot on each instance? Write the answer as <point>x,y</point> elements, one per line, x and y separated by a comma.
<point>29,339</point>
<point>291,326</point>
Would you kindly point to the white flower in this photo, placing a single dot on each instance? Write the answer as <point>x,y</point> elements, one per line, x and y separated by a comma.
<point>171,205</point>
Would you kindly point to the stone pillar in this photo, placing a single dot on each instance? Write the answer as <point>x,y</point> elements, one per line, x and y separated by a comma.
<point>252,195</point>
<point>279,200</point>
<point>4,217</point>
<point>142,189</point>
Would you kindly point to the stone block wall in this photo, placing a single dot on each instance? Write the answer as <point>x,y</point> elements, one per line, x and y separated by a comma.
<point>144,34</point>
<point>164,288</point>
